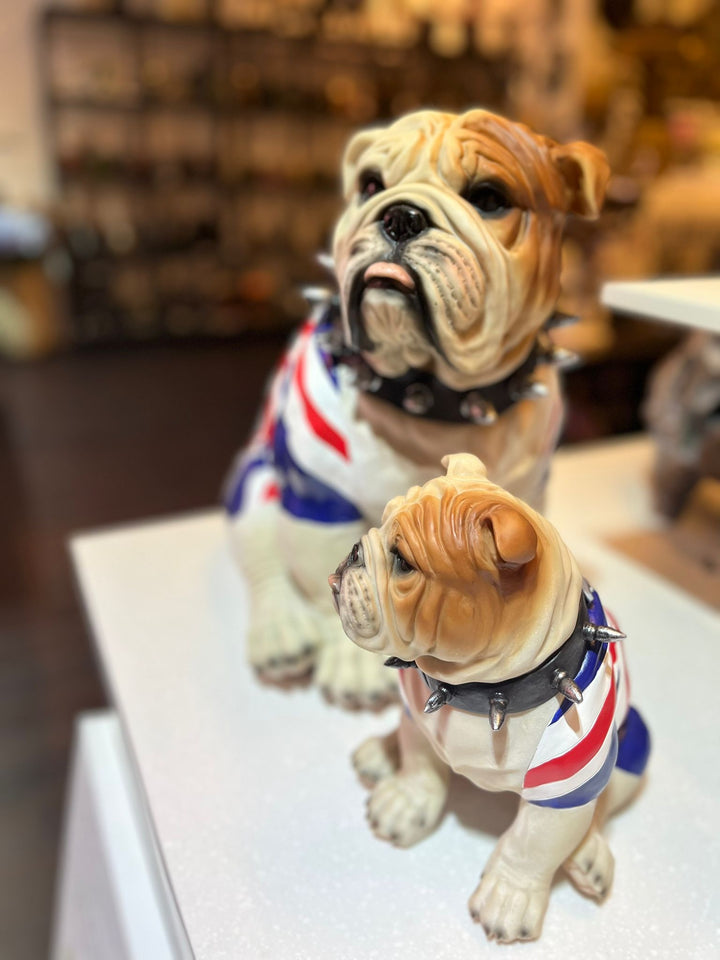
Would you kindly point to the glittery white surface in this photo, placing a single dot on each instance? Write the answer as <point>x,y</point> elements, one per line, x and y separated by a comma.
<point>258,815</point>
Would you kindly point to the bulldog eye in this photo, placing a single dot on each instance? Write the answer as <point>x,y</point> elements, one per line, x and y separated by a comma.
<point>490,199</point>
<point>400,564</point>
<point>369,184</point>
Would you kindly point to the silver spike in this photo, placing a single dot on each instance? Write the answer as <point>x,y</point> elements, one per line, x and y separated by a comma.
<point>567,686</point>
<point>477,409</point>
<point>601,633</point>
<point>560,319</point>
<point>331,340</point>
<point>530,390</point>
<point>498,709</point>
<point>437,699</point>
<point>399,664</point>
<point>562,358</point>
<point>316,294</point>
<point>366,379</point>
<point>326,261</point>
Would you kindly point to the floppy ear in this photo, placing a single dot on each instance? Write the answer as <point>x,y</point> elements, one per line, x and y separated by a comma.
<point>514,536</point>
<point>351,158</point>
<point>586,172</point>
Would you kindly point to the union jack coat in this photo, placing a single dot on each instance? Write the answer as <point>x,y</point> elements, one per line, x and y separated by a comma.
<point>308,443</point>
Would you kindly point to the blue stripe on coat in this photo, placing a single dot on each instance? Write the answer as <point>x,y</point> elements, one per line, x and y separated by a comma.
<point>589,668</point>
<point>303,495</point>
<point>233,498</point>
<point>595,609</point>
<point>593,660</point>
<point>320,334</point>
<point>634,738</point>
<point>588,791</point>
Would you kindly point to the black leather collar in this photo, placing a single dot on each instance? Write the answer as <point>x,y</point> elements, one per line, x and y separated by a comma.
<point>554,676</point>
<point>526,691</point>
<point>421,394</point>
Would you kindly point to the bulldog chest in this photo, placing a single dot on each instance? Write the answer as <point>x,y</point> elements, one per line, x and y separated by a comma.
<point>492,761</point>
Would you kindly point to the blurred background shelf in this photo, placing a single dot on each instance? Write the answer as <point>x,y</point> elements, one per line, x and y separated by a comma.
<point>196,150</point>
<point>255,120</point>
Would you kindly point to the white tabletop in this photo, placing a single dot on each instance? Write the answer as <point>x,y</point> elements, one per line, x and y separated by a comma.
<point>257,813</point>
<point>688,301</point>
<point>112,900</point>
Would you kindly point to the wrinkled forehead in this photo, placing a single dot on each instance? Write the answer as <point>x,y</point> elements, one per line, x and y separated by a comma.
<point>414,530</point>
<point>460,151</point>
<point>438,529</point>
<point>486,146</point>
<point>410,148</point>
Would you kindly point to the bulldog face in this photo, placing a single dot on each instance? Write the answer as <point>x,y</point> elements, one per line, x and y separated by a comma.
<point>461,577</point>
<point>448,252</point>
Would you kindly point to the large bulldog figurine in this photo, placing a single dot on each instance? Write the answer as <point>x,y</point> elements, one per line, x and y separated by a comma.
<point>447,261</point>
<point>511,676</point>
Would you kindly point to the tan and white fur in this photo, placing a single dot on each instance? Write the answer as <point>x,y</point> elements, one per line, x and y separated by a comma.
<point>473,585</point>
<point>489,279</point>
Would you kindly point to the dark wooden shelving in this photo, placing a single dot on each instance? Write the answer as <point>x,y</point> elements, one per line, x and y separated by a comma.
<point>124,140</point>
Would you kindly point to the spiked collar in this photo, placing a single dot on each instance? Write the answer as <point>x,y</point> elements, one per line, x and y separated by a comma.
<point>421,394</point>
<point>555,675</point>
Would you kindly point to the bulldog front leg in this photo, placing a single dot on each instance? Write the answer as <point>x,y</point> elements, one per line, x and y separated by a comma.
<point>283,632</point>
<point>351,677</point>
<point>377,758</point>
<point>405,806</point>
<point>591,866</point>
<point>512,896</point>
<point>347,675</point>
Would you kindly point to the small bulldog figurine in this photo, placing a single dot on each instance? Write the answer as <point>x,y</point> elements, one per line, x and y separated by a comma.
<point>447,261</point>
<point>510,675</point>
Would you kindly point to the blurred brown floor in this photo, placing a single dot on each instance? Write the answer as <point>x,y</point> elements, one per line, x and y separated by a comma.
<point>87,440</point>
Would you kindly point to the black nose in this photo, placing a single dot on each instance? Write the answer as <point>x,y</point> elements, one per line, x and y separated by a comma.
<point>356,556</point>
<point>402,222</point>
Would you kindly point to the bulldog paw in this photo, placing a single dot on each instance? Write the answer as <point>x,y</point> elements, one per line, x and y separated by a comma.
<point>376,759</point>
<point>592,867</point>
<point>351,677</point>
<point>405,807</point>
<point>509,910</point>
<point>283,635</point>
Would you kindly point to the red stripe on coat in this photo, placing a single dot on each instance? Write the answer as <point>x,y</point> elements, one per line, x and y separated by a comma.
<point>320,427</point>
<point>570,763</point>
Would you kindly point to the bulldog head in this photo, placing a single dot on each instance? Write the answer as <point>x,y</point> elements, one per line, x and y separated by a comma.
<point>461,577</point>
<point>448,251</point>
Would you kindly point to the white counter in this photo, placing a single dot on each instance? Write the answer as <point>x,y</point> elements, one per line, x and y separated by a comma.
<point>258,818</point>
<point>688,301</point>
